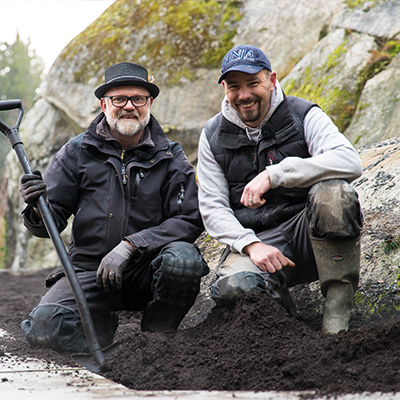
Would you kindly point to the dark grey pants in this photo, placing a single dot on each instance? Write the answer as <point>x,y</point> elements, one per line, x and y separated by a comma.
<point>332,211</point>
<point>172,277</point>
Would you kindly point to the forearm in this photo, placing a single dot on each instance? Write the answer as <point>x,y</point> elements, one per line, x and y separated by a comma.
<point>331,156</point>
<point>218,217</point>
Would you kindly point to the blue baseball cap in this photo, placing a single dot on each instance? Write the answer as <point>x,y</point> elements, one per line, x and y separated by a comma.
<point>244,58</point>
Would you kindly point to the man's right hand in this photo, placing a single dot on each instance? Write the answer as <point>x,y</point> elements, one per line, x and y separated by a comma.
<point>267,258</point>
<point>31,187</point>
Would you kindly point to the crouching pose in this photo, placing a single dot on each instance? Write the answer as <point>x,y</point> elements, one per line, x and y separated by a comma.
<point>133,195</point>
<point>274,185</point>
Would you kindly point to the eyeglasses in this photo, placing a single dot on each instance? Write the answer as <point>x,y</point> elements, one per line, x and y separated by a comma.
<point>121,101</point>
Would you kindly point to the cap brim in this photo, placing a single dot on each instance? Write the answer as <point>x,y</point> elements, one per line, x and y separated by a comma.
<point>151,87</point>
<point>247,69</point>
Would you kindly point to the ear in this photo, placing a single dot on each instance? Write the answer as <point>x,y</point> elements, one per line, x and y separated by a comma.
<point>103,104</point>
<point>272,79</point>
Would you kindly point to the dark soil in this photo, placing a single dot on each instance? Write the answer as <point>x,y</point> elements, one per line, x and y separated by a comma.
<point>253,346</point>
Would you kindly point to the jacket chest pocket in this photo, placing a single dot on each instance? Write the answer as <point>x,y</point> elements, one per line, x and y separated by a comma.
<point>146,204</point>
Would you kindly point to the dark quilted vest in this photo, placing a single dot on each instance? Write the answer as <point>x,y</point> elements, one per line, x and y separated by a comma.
<point>241,160</point>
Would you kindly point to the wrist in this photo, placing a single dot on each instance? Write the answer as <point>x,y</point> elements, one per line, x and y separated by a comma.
<point>134,248</point>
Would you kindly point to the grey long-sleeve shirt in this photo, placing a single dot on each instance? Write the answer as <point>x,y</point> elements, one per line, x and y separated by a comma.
<point>332,156</point>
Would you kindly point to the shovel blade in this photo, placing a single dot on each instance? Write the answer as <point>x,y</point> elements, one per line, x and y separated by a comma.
<point>89,362</point>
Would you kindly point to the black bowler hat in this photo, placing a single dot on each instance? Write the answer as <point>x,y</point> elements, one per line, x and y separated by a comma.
<point>126,74</point>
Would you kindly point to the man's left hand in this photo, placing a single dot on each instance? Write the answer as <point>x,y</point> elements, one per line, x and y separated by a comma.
<point>254,190</point>
<point>109,273</point>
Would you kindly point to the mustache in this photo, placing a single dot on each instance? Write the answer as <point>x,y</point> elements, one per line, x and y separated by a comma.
<point>133,113</point>
<point>248,101</point>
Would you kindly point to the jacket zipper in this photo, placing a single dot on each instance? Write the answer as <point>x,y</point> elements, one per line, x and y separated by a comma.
<point>181,197</point>
<point>139,175</point>
<point>123,168</point>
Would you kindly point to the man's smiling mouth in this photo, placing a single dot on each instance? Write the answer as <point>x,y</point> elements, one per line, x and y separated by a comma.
<point>247,105</point>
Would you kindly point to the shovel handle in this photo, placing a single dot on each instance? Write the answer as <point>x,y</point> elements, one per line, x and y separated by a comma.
<point>10,104</point>
<point>6,105</point>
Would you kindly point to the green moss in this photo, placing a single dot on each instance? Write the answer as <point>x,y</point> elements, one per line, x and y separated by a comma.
<point>170,37</point>
<point>378,304</point>
<point>360,3</point>
<point>340,101</point>
<point>317,85</point>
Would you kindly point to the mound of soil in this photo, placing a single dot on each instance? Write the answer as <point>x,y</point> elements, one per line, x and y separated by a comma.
<point>254,345</point>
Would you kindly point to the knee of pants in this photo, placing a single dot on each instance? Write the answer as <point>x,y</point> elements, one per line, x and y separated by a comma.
<point>227,289</point>
<point>55,327</point>
<point>333,210</point>
<point>178,272</point>
<point>59,328</point>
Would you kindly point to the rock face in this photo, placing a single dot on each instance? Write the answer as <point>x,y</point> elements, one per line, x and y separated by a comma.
<point>337,53</point>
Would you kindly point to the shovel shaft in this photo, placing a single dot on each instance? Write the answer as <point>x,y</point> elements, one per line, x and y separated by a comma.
<point>84,312</point>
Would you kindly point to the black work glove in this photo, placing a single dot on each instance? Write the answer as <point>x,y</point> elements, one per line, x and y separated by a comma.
<point>31,187</point>
<point>109,273</point>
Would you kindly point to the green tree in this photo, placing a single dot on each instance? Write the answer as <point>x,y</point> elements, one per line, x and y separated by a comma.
<point>21,73</point>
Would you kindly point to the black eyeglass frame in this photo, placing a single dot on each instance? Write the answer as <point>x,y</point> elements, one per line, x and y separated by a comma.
<point>128,99</point>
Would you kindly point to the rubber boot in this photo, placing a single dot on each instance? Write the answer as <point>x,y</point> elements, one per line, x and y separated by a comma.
<point>338,263</point>
<point>161,317</point>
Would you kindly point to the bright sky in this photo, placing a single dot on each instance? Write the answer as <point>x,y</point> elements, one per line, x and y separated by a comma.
<point>50,24</point>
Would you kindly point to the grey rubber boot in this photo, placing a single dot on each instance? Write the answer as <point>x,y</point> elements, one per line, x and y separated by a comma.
<point>338,263</point>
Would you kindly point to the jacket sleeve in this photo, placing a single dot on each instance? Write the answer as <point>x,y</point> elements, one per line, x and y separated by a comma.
<point>218,217</point>
<point>182,221</point>
<point>62,191</point>
<point>332,156</point>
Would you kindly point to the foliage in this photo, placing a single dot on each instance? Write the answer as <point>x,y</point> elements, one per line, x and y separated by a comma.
<point>20,72</point>
<point>172,37</point>
<point>20,75</point>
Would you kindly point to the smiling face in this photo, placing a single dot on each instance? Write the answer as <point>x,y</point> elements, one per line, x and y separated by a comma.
<point>127,121</point>
<point>250,95</point>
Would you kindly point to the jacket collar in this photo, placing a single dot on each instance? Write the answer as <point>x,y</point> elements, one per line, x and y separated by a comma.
<point>98,134</point>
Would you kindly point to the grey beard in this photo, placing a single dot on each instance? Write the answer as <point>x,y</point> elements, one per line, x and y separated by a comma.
<point>128,127</point>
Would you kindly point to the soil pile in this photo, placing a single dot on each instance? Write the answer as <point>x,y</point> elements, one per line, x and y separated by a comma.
<point>253,345</point>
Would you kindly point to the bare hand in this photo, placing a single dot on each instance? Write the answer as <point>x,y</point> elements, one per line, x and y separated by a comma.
<point>254,190</point>
<point>267,258</point>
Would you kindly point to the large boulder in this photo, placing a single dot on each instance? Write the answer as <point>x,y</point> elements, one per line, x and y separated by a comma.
<point>344,50</point>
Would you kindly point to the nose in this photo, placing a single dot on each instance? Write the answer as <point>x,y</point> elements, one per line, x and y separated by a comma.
<point>244,93</point>
<point>129,105</point>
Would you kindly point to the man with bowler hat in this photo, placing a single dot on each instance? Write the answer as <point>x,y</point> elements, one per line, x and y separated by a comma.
<point>274,186</point>
<point>133,195</point>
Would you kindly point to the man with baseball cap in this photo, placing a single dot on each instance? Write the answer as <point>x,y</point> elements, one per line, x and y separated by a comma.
<point>274,185</point>
<point>133,195</point>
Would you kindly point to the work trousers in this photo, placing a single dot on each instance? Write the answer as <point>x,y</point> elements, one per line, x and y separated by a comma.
<point>172,277</point>
<point>332,212</point>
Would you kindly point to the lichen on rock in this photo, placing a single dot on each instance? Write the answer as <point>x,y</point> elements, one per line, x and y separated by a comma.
<point>172,37</point>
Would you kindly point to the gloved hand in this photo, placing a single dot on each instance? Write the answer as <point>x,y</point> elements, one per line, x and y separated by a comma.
<point>31,187</point>
<point>109,273</point>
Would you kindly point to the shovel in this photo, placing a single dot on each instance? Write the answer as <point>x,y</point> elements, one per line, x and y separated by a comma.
<point>95,359</point>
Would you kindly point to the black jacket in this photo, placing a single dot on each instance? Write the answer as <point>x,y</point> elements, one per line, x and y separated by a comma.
<point>149,196</point>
